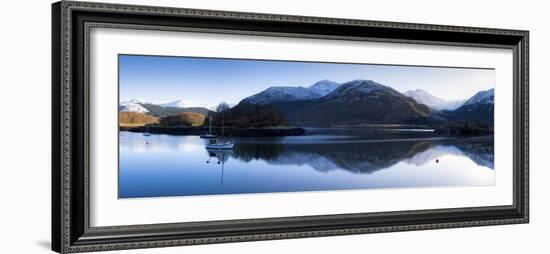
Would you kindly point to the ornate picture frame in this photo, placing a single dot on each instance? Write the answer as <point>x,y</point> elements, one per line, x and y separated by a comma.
<point>71,229</point>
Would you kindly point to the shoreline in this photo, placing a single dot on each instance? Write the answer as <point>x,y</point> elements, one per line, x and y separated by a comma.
<point>228,131</point>
<point>293,131</point>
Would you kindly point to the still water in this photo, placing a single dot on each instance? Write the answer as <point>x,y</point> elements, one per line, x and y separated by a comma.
<point>324,159</point>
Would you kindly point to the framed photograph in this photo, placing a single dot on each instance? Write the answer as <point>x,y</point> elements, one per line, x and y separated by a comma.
<point>181,126</point>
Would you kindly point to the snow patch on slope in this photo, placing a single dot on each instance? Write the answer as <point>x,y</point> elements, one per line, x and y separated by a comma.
<point>132,107</point>
<point>483,97</point>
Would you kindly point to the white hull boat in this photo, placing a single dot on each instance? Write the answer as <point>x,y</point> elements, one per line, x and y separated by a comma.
<point>219,145</point>
<point>208,136</point>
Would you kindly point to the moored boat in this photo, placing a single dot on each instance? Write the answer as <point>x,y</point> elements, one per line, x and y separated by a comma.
<point>147,132</point>
<point>209,135</point>
<point>220,144</point>
<point>215,144</point>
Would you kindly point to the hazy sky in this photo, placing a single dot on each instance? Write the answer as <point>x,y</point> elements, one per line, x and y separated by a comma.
<point>210,81</point>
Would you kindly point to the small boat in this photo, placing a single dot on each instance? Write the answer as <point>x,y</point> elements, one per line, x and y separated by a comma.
<point>209,135</point>
<point>147,133</point>
<point>221,144</point>
<point>215,144</point>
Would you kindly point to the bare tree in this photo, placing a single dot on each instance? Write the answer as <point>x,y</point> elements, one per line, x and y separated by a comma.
<point>222,107</point>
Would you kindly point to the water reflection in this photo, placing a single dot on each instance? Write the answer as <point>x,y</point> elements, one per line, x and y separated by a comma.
<point>365,157</point>
<point>220,156</point>
<point>164,165</point>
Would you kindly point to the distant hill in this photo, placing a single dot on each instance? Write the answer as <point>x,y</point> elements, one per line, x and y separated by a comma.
<point>479,108</point>
<point>432,101</point>
<point>160,111</point>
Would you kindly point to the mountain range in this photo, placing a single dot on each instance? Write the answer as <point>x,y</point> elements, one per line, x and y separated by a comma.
<point>368,102</point>
<point>358,102</point>
<point>328,103</point>
<point>163,109</point>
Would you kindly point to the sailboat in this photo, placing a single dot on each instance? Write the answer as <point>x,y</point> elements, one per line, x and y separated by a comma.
<point>147,132</point>
<point>209,135</point>
<point>215,144</point>
<point>220,144</point>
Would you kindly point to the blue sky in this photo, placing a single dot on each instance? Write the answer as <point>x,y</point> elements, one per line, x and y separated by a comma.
<point>210,81</point>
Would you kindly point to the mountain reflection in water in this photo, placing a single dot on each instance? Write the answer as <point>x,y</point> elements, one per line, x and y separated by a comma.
<point>164,165</point>
<point>364,157</point>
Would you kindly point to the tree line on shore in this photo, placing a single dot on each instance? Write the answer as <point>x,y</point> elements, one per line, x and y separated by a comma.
<point>249,116</point>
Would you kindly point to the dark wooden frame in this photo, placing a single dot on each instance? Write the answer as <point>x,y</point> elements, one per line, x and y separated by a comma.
<point>71,22</point>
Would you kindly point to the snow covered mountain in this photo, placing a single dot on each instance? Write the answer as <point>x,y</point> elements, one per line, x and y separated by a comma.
<point>292,93</point>
<point>434,102</point>
<point>361,88</point>
<point>324,87</point>
<point>282,93</point>
<point>134,105</point>
<point>357,102</point>
<point>165,108</point>
<point>483,97</point>
<point>479,108</point>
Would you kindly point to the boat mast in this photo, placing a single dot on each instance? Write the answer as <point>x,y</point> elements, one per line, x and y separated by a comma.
<point>223,125</point>
<point>210,125</point>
